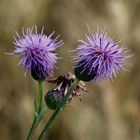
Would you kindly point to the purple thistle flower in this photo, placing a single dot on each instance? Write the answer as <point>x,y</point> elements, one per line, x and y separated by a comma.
<point>99,57</point>
<point>37,52</point>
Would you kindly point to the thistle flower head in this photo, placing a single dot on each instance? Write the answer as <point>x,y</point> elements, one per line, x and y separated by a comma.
<point>57,94</point>
<point>99,57</point>
<point>36,51</point>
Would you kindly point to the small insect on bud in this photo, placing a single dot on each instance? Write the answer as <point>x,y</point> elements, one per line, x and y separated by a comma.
<point>57,94</point>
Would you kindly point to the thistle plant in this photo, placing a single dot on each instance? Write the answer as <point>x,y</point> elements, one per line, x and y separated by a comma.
<point>97,57</point>
<point>36,51</point>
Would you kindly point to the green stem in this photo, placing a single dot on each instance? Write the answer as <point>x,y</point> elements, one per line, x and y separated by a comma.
<point>39,98</point>
<point>32,129</point>
<point>60,106</point>
<point>38,113</point>
<point>36,121</point>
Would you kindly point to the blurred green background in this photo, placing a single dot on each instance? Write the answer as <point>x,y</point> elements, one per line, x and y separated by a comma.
<point>109,111</point>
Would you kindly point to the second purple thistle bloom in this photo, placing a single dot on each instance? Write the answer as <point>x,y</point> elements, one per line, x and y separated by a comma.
<point>99,57</point>
<point>37,52</point>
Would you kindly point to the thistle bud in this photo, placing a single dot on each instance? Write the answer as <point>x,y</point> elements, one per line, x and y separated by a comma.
<point>53,98</point>
<point>57,94</point>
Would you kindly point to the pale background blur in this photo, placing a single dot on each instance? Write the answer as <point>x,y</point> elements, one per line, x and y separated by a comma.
<point>109,111</point>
